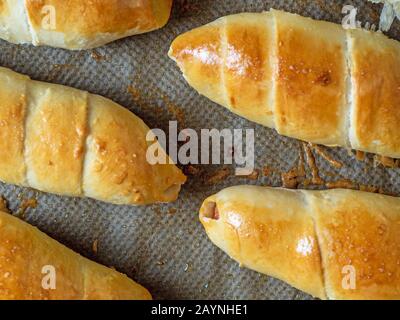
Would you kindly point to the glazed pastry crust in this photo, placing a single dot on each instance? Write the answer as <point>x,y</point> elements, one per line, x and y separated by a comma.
<point>247,68</point>
<point>56,130</point>
<point>25,251</point>
<point>310,80</point>
<point>361,230</point>
<point>376,93</point>
<point>116,165</point>
<point>69,142</point>
<point>199,55</point>
<point>13,93</point>
<point>269,232</point>
<point>310,86</point>
<point>79,24</point>
<point>309,238</point>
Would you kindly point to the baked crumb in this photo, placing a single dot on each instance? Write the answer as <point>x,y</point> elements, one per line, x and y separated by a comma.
<point>267,171</point>
<point>252,176</point>
<point>186,8</point>
<point>296,175</point>
<point>191,170</point>
<point>316,179</point>
<point>95,246</point>
<point>219,176</point>
<point>325,155</point>
<point>360,155</point>
<point>4,205</point>
<point>342,184</point>
<point>290,179</point>
<point>95,55</point>
<point>25,205</point>
<point>385,161</point>
<point>371,189</point>
<point>176,111</point>
<point>172,211</point>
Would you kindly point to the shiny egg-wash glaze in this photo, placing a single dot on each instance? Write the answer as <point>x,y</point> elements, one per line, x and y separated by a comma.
<point>24,254</point>
<point>78,24</point>
<point>335,244</point>
<point>66,141</point>
<point>310,80</point>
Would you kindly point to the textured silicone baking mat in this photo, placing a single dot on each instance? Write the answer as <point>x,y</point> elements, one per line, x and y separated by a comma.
<point>164,247</point>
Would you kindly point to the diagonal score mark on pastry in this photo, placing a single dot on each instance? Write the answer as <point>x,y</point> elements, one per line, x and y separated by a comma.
<point>24,251</point>
<point>79,24</point>
<point>307,238</point>
<point>310,80</point>
<point>66,141</point>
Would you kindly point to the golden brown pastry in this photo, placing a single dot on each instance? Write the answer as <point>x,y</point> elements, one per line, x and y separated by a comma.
<point>310,80</point>
<point>65,141</point>
<point>336,244</point>
<point>77,24</point>
<point>35,267</point>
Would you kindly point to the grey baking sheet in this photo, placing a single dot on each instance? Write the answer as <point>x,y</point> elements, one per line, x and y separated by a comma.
<point>164,247</point>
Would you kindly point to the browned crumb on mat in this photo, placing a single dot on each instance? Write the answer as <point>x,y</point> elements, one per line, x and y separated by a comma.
<point>176,111</point>
<point>4,205</point>
<point>157,210</point>
<point>379,160</point>
<point>219,176</point>
<point>95,246</point>
<point>252,176</point>
<point>386,162</point>
<point>58,69</point>
<point>161,262</point>
<point>267,171</point>
<point>341,184</point>
<point>316,179</point>
<point>191,170</point>
<point>135,93</point>
<point>137,97</point>
<point>25,205</point>
<point>186,7</point>
<point>301,166</point>
<point>375,189</point>
<point>360,155</point>
<point>95,55</point>
<point>371,189</point>
<point>74,60</point>
<point>62,66</point>
<point>325,155</point>
<point>141,101</point>
<point>296,175</point>
<point>329,174</point>
<point>290,179</point>
<point>172,210</point>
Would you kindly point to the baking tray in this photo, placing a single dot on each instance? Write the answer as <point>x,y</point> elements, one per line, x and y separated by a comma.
<point>164,247</point>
